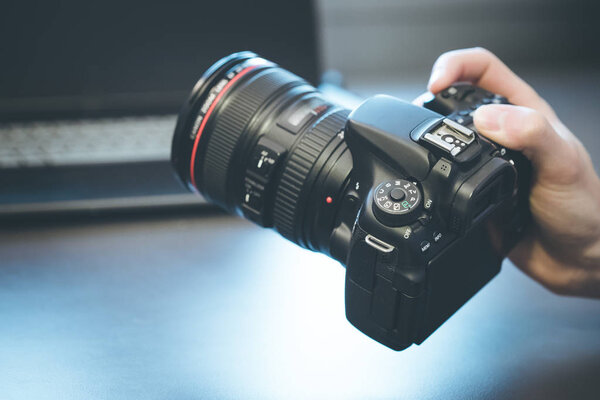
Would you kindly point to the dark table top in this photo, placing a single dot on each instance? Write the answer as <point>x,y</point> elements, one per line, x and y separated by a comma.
<point>213,307</point>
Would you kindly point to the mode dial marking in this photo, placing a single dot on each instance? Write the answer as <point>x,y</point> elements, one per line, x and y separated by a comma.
<point>395,200</point>
<point>397,197</point>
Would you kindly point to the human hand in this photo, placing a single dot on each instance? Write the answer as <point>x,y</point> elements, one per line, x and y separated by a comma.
<point>561,248</point>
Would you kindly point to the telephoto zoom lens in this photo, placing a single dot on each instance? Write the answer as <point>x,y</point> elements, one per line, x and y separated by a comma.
<point>263,143</point>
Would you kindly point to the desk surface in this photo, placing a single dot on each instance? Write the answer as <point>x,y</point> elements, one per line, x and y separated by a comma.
<point>216,308</point>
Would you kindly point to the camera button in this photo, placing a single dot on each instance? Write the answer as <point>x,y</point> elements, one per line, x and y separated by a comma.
<point>395,201</point>
<point>416,228</point>
<point>262,161</point>
<point>424,219</point>
<point>425,245</point>
<point>465,121</point>
<point>437,236</point>
<point>253,200</point>
<point>397,194</point>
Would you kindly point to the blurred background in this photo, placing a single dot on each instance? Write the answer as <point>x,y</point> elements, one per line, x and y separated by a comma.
<point>116,283</point>
<point>90,90</point>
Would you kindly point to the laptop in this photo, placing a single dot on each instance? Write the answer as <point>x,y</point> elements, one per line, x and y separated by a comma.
<point>90,92</point>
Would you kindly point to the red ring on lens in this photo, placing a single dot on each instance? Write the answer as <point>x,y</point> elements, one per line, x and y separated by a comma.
<point>207,115</point>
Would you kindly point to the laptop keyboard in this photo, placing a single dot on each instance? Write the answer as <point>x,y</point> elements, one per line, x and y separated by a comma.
<point>86,142</point>
<point>95,164</point>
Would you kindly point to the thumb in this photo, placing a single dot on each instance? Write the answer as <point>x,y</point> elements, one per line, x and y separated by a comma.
<point>524,129</point>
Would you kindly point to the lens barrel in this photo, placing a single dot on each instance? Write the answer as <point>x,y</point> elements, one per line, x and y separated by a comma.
<point>263,143</point>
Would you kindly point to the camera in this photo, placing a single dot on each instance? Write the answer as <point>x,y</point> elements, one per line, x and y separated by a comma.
<point>417,205</point>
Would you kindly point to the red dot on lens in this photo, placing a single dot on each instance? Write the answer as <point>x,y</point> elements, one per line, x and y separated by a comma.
<point>329,200</point>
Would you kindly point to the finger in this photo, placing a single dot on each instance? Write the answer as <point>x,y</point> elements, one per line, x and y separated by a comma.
<point>423,98</point>
<point>533,259</point>
<point>484,69</point>
<point>554,157</point>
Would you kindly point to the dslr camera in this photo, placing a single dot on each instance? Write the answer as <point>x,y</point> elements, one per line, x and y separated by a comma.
<point>417,205</point>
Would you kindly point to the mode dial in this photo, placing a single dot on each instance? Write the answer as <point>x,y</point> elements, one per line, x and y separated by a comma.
<point>395,201</point>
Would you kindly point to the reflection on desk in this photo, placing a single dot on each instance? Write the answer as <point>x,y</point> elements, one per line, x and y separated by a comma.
<point>217,308</point>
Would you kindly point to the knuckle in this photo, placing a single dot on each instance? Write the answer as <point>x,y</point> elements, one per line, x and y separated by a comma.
<point>523,127</point>
<point>571,168</point>
<point>484,54</point>
<point>535,131</point>
<point>555,283</point>
<point>561,288</point>
<point>566,280</point>
<point>558,288</point>
<point>467,51</point>
<point>535,123</point>
<point>457,55</point>
<point>534,126</point>
<point>483,51</point>
<point>443,58</point>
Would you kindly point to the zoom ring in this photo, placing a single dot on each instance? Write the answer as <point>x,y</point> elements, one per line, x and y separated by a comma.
<point>297,170</point>
<point>230,125</point>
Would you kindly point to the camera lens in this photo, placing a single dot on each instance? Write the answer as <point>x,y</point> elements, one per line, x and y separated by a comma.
<point>263,143</point>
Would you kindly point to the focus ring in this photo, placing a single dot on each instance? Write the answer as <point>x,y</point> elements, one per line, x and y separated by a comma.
<point>230,125</point>
<point>297,170</point>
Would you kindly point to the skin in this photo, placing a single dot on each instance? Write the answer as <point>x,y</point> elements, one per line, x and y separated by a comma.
<point>561,249</point>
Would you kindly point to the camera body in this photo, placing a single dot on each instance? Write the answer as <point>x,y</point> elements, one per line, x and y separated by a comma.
<point>440,207</point>
<point>419,207</point>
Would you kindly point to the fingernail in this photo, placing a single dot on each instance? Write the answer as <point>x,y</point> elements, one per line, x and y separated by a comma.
<point>489,118</point>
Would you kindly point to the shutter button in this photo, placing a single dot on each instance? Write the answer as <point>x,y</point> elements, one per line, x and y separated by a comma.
<point>397,194</point>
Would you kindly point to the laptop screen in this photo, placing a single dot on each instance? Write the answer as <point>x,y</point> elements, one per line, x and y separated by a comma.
<point>72,58</point>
